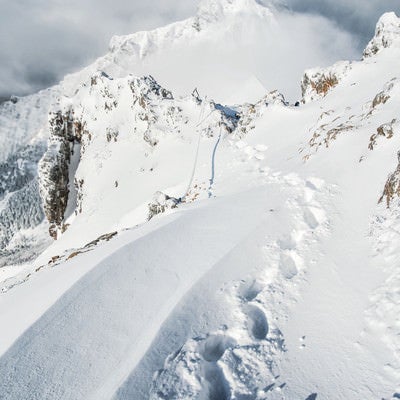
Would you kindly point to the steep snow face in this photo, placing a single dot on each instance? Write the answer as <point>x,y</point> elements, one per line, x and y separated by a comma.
<point>387,34</point>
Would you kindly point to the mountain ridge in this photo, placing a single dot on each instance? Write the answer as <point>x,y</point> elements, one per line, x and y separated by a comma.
<point>274,275</point>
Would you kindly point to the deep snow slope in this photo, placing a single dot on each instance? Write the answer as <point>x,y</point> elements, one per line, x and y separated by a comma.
<point>275,276</point>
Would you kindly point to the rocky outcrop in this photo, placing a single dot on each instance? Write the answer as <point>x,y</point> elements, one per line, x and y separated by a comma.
<point>247,114</point>
<point>333,123</point>
<point>161,203</point>
<point>385,131</point>
<point>316,83</point>
<point>392,185</point>
<point>54,167</point>
<point>145,92</point>
<point>387,34</point>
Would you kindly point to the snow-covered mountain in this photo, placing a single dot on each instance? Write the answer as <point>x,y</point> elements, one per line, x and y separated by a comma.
<point>187,244</point>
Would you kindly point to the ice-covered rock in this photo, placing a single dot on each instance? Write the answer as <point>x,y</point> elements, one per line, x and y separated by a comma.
<point>392,185</point>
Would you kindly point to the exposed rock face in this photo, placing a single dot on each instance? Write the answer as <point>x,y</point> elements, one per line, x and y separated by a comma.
<point>392,186</point>
<point>387,34</point>
<point>146,91</point>
<point>67,131</point>
<point>333,123</point>
<point>54,167</point>
<point>316,83</point>
<point>384,130</point>
<point>161,203</point>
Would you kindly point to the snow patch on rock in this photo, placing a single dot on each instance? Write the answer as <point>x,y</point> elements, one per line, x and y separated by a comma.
<point>387,34</point>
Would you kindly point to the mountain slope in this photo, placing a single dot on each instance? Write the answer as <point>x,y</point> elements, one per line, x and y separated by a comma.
<point>273,276</point>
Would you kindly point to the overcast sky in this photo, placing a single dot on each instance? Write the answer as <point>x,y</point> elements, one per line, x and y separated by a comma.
<point>42,40</point>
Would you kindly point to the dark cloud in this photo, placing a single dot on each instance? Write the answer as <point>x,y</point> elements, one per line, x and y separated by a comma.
<point>42,40</point>
<point>359,17</point>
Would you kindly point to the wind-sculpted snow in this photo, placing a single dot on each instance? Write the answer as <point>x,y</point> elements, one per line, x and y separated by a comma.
<point>142,279</point>
<point>205,249</point>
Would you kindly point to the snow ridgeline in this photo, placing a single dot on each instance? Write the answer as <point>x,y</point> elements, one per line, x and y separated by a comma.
<point>271,289</point>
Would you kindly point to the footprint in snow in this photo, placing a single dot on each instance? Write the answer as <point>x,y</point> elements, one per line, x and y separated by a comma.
<point>213,348</point>
<point>257,322</point>
<point>250,290</point>
<point>287,242</point>
<point>287,266</point>
<point>314,217</point>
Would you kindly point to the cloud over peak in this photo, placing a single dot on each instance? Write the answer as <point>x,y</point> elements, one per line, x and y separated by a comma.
<point>41,41</point>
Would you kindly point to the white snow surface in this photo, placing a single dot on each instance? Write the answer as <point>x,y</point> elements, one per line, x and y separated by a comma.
<point>280,280</point>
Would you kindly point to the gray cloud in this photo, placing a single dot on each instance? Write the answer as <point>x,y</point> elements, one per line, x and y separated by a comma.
<point>358,17</point>
<point>42,40</point>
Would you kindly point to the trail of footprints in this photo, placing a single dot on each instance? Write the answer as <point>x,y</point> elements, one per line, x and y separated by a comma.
<point>223,363</point>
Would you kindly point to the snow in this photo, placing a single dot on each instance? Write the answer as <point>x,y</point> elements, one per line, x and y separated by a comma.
<point>283,284</point>
<point>24,117</point>
<point>386,34</point>
<point>228,51</point>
